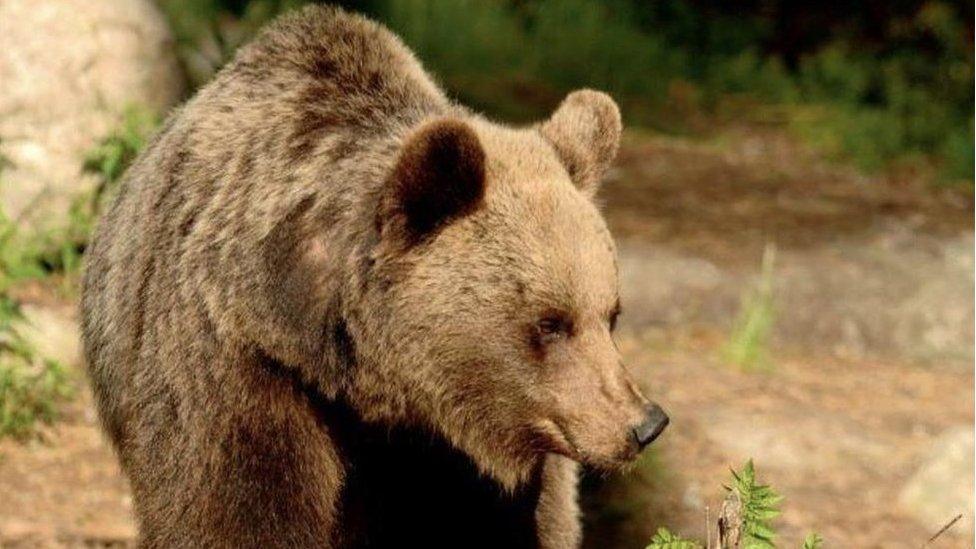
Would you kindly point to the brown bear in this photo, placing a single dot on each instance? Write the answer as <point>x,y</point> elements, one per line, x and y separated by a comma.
<point>331,308</point>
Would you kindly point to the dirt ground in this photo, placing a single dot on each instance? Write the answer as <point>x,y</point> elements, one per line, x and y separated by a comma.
<point>871,355</point>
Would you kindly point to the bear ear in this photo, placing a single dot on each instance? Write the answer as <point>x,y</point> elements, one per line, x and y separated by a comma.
<point>439,177</point>
<point>585,132</point>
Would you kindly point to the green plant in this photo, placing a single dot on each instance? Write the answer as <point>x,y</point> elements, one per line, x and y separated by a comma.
<point>745,521</point>
<point>813,541</point>
<point>108,161</point>
<point>28,254</point>
<point>665,539</point>
<point>905,99</point>
<point>758,505</point>
<point>747,347</point>
<point>30,385</point>
<point>912,100</point>
<point>19,258</point>
<point>113,154</point>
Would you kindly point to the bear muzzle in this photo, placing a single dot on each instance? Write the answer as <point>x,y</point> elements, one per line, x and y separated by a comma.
<point>654,423</point>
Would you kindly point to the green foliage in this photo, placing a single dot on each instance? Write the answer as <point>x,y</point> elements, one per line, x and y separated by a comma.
<point>748,345</point>
<point>813,541</point>
<point>518,60</point>
<point>108,161</point>
<point>35,254</point>
<point>18,260</point>
<point>111,157</point>
<point>119,148</point>
<point>664,539</point>
<point>957,152</point>
<point>870,107</point>
<point>491,43</point>
<point>38,254</point>
<point>902,106</point>
<point>750,507</point>
<point>760,504</point>
<point>908,98</point>
<point>30,385</point>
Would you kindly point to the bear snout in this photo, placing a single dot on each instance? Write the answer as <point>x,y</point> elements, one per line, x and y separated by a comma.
<point>654,423</point>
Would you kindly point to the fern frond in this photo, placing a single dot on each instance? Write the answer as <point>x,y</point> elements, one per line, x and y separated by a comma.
<point>760,504</point>
<point>665,539</point>
<point>813,541</point>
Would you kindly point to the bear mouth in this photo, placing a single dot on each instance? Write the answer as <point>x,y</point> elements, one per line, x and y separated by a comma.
<point>559,440</point>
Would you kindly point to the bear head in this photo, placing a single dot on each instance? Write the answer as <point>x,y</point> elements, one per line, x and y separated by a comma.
<point>494,294</point>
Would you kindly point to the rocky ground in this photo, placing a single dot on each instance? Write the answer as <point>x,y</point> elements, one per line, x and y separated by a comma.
<point>863,420</point>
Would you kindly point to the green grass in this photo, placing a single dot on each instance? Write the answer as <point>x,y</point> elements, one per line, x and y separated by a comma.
<point>748,345</point>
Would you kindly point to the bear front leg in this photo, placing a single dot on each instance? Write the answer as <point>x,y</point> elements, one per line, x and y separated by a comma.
<point>255,466</point>
<point>557,514</point>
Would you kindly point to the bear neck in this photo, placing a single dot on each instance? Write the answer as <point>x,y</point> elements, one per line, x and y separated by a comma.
<point>409,487</point>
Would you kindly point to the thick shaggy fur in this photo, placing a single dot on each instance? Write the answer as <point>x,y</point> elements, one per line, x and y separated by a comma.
<point>310,316</point>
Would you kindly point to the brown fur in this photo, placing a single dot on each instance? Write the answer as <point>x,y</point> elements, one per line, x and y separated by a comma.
<point>312,315</point>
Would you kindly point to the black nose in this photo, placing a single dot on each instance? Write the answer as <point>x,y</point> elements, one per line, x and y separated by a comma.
<point>654,423</point>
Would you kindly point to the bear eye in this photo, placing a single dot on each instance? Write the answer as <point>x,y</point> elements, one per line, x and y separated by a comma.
<point>552,328</point>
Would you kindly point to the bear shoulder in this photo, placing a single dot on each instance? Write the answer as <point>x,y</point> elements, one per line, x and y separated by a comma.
<point>342,64</point>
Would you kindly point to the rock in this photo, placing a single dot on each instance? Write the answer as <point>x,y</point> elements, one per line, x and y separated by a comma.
<point>936,322</point>
<point>662,288</point>
<point>904,295</point>
<point>942,486</point>
<point>68,70</point>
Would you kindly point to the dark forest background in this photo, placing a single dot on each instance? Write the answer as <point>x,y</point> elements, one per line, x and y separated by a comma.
<point>883,84</point>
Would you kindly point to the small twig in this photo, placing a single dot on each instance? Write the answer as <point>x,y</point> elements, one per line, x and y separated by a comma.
<point>708,529</point>
<point>943,530</point>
